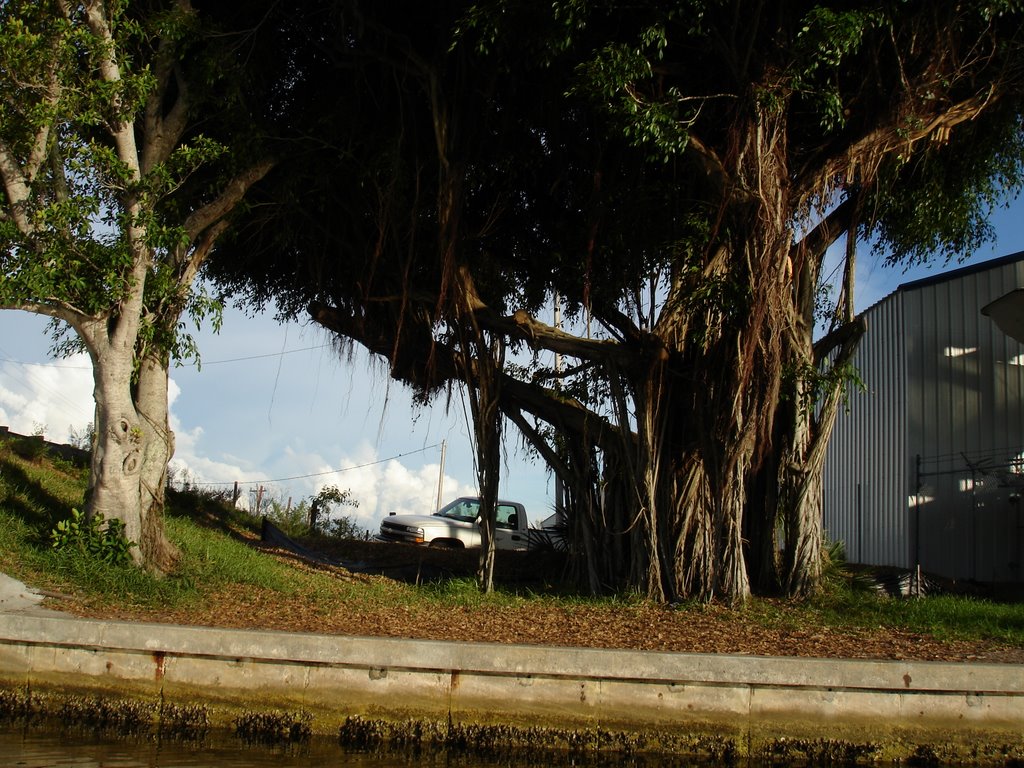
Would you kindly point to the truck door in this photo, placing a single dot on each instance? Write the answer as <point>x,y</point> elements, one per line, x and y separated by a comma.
<point>506,531</point>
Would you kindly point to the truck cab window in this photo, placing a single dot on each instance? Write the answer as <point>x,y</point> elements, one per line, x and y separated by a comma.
<point>507,517</point>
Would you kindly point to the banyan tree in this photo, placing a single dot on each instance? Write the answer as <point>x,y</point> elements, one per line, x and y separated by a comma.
<point>675,173</point>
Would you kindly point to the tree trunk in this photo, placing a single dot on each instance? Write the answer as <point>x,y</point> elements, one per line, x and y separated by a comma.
<point>799,496</point>
<point>132,447</point>
<point>760,534</point>
<point>117,458</point>
<point>651,517</point>
<point>484,400</point>
<point>800,489</point>
<point>151,403</point>
<point>712,425</point>
<point>815,391</point>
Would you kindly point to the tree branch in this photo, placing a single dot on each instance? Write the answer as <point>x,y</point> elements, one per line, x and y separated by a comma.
<point>845,336</point>
<point>52,308</point>
<point>524,327</point>
<point>162,131</point>
<point>230,196</point>
<point>200,252</point>
<point>717,174</point>
<point>565,414</point>
<point>18,178</point>
<point>814,244</point>
<point>905,127</point>
<point>17,188</point>
<point>123,132</point>
<point>40,146</point>
<point>550,456</point>
<point>447,364</point>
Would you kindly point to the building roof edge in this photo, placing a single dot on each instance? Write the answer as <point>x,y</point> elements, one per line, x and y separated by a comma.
<point>941,277</point>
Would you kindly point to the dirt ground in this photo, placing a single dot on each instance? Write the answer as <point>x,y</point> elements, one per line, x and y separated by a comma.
<point>775,629</point>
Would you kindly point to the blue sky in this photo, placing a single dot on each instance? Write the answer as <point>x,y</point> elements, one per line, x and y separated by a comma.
<point>276,405</point>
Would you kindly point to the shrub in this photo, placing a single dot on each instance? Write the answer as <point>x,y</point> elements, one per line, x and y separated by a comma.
<point>90,536</point>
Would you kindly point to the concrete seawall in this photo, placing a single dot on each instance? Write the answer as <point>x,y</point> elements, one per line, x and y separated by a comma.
<point>880,710</point>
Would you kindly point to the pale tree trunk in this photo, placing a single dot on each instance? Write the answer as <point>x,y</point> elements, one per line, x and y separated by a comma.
<point>132,447</point>
<point>116,458</point>
<point>118,454</point>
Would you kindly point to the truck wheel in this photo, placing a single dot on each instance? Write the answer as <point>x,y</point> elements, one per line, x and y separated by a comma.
<point>445,544</point>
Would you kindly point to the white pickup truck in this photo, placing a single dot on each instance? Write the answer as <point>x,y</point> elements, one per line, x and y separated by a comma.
<point>456,526</point>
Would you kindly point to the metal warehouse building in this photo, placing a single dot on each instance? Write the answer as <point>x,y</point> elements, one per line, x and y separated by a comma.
<point>927,465</point>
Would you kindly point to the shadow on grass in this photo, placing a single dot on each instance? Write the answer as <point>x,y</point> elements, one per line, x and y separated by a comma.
<point>29,499</point>
<point>211,511</point>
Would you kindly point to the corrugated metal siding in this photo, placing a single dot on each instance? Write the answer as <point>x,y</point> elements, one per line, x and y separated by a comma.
<point>966,428</point>
<point>917,470</point>
<point>864,487</point>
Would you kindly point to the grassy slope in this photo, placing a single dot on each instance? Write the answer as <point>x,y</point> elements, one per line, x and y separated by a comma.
<point>218,561</point>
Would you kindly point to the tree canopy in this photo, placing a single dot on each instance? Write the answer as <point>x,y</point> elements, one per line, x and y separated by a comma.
<point>675,172</point>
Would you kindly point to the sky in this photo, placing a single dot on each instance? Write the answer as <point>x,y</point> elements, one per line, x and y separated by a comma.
<point>277,406</point>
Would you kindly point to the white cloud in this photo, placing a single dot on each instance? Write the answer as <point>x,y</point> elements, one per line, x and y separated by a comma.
<point>56,397</point>
<point>191,459</point>
<point>173,392</point>
<point>201,470</point>
<point>294,473</point>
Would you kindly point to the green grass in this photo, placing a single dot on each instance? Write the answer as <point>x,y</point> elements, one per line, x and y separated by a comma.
<point>35,493</point>
<point>463,593</point>
<point>944,616</point>
<point>213,559</point>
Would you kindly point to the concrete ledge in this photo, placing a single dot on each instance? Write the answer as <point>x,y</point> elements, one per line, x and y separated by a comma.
<point>971,709</point>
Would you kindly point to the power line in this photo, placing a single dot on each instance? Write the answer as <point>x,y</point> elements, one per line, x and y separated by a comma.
<point>47,365</point>
<point>256,357</point>
<point>190,362</point>
<point>328,472</point>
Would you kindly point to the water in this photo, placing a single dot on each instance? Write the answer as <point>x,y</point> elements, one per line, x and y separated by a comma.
<point>21,749</point>
<point>78,749</point>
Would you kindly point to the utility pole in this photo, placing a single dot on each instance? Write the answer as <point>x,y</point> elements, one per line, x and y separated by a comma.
<point>440,476</point>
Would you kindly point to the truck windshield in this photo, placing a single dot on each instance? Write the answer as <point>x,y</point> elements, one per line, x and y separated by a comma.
<point>460,509</point>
